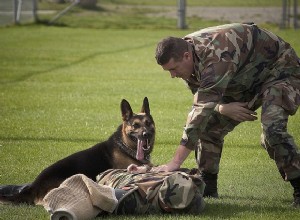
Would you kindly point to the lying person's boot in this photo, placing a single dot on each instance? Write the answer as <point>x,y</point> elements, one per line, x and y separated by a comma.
<point>10,190</point>
<point>296,185</point>
<point>211,188</point>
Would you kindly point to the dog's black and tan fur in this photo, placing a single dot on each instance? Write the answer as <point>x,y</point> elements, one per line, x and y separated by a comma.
<point>131,143</point>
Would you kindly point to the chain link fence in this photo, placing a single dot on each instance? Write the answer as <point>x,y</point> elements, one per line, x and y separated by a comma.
<point>25,11</point>
<point>17,11</point>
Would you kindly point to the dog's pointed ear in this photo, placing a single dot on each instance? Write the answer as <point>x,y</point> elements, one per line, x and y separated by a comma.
<point>126,110</point>
<point>145,108</point>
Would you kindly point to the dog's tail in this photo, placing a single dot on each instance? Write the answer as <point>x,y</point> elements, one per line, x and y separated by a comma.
<point>16,194</point>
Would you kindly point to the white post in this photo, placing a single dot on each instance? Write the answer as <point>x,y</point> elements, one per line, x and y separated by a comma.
<point>19,9</point>
<point>74,3</point>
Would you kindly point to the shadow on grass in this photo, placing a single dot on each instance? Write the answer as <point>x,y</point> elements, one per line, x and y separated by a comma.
<point>218,211</point>
<point>236,207</point>
<point>81,60</point>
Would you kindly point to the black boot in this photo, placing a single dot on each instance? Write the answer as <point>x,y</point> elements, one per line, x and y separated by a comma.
<point>211,189</point>
<point>10,190</point>
<point>296,185</point>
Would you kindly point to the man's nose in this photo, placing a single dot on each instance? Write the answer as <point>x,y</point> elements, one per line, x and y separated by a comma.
<point>173,74</point>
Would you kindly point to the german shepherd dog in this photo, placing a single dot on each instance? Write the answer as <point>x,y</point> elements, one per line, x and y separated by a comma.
<point>131,143</point>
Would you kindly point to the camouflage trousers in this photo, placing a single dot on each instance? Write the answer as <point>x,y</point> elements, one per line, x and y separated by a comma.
<point>155,192</point>
<point>277,101</point>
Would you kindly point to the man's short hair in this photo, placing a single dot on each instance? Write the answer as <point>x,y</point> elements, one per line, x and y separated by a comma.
<point>170,47</point>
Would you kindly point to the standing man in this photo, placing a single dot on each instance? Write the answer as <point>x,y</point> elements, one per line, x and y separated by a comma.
<point>232,70</point>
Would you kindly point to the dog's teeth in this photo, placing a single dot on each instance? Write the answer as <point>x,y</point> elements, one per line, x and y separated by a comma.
<point>147,145</point>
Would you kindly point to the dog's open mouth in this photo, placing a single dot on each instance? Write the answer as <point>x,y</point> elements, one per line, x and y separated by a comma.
<point>142,145</point>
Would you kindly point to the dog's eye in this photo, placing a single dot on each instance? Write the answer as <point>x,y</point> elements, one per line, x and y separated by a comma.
<point>148,123</point>
<point>136,125</point>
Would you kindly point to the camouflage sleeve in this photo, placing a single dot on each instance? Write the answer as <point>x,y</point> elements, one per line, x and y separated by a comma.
<point>214,80</point>
<point>221,51</point>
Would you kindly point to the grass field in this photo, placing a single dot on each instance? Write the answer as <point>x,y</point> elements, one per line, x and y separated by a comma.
<point>60,92</point>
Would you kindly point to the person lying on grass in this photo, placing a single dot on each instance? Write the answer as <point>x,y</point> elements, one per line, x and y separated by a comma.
<point>132,191</point>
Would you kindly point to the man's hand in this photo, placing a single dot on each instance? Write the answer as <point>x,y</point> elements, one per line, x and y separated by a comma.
<point>180,155</point>
<point>133,168</point>
<point>237,111</point>
<point>171,166</point>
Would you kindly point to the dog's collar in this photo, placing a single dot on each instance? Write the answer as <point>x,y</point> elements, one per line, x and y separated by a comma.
<point>132,153</point>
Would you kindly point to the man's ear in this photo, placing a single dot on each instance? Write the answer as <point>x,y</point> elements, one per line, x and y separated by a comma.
<point>187,55</point>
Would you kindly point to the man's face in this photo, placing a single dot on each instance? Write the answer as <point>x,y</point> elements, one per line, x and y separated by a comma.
<point>180,69</point>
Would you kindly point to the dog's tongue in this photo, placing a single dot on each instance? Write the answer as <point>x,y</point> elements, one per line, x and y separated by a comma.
<point>140,151</point>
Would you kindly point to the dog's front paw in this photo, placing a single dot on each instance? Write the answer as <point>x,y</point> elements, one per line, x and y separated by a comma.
<point>133,168</point>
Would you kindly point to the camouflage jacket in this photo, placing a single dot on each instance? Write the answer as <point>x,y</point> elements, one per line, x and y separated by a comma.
<point>156,192</point>
<point>234,63</point>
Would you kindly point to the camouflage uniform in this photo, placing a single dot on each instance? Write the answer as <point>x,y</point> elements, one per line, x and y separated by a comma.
<point>242,63</point>
<point>155,192</point>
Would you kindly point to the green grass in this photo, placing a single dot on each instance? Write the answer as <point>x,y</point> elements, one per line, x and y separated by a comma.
<point>60,92</point>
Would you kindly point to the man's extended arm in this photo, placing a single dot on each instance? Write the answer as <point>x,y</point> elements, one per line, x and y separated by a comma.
<point>236,110</point>
<point>180,155</point>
